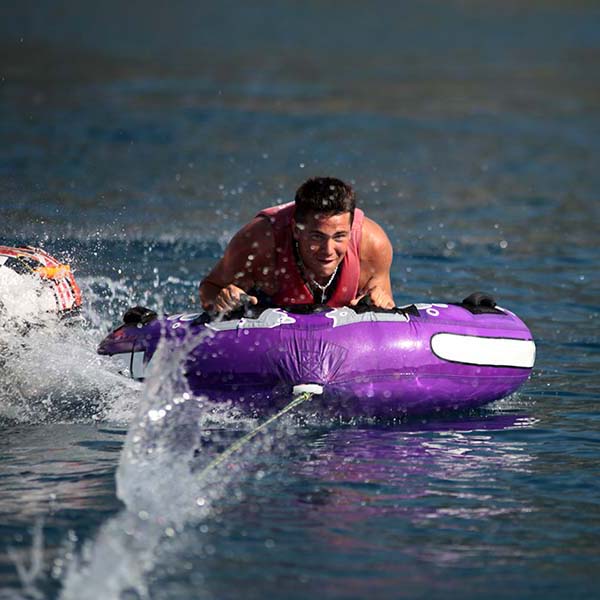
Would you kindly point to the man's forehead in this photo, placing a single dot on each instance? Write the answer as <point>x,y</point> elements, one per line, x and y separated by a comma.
<point>328,220</point>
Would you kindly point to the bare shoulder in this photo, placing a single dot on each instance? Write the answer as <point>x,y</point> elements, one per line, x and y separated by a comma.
<point>257,228</point>
<point>375,244</point>
<point>249,253</point>
<point>256,237</point>
<point>375,261</point>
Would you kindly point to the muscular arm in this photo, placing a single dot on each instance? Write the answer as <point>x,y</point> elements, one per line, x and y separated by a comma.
<point>375,261</point>
<point>247,259</point>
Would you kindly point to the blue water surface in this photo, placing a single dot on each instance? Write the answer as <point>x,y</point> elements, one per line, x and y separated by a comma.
<point>136,140</point>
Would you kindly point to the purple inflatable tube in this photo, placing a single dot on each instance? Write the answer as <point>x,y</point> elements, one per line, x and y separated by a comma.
<point>412,360</point>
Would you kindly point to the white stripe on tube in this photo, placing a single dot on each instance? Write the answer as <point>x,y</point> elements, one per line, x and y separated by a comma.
<point>475,350</point>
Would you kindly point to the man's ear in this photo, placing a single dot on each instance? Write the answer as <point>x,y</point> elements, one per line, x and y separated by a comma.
<point>296,228</point>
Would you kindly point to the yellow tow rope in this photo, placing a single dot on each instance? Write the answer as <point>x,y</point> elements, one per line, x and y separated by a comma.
<point>302,397</point>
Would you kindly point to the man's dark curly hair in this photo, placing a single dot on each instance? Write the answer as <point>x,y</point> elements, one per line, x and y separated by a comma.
<point>326,195</point>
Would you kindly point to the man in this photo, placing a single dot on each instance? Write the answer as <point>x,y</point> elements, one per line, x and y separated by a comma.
<point>319,249</point>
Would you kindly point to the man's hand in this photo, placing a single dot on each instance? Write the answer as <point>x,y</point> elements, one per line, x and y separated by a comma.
<point>376,295</point>
<point>231,297</point>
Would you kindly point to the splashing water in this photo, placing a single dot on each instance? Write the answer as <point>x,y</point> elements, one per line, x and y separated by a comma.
<point>50,369</point>
<point>24,299</point>
<point>163,481</point>
<point>30,574</point>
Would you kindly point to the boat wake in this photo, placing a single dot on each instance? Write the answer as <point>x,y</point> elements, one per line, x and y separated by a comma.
<point>49,368</point>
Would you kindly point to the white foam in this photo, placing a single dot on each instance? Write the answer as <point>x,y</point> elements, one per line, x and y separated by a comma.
<point>25,298</point>
<point>49,369</point>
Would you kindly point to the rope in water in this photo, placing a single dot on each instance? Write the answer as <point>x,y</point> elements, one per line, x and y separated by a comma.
<point>302,397</point>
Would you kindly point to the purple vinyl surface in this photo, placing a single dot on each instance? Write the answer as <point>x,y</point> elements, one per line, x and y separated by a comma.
<point>440,357</point>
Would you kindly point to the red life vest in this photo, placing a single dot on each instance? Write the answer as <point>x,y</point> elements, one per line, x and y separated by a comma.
<point>292,287</point>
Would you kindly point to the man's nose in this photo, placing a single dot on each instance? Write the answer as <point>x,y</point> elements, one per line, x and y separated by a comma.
<point>330,245</point>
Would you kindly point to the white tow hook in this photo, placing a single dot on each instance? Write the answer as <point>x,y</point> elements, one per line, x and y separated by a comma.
<point>307,388</point>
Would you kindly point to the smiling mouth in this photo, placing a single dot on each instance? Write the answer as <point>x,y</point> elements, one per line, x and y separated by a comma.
<point>327,263</point>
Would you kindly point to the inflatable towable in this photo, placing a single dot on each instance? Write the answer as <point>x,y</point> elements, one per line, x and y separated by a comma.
<point>367,362</point>
<point>57,278</point>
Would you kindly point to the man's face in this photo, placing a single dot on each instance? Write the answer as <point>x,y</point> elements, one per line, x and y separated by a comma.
<point>323,242</point>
